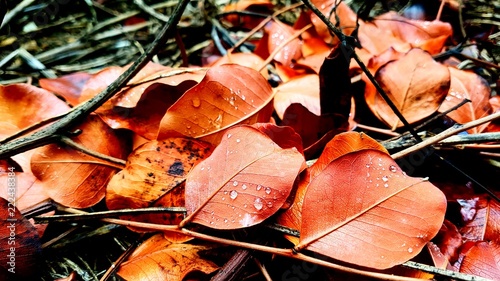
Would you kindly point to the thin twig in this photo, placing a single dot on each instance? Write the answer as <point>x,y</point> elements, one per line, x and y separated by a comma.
<point>457,128</point>
<point>117,163</point>
<point>51,133</point>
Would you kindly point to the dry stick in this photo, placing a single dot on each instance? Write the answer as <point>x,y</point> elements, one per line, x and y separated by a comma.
<point>279,251</point>
<point>53,132</point>
<point>114,162</point>
<point>455,129</point>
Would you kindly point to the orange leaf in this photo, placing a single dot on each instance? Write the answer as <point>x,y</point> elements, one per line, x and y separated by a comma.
<point>68,86</point>
<point>301,89</point>
<point>276,33</point>
<point>29,192</point>
<point>247,179</point>
<point>481,219</point>
<point>467,85</point>
<point>482,259</point>
<point>347,19</point>
<point>341,144</point>
<point>283,136</point>
<point>156,172</point>
<point>20,246</point>
<point>159,259</point>
<point>363,200</point>
<point>415,83</point>
<point>250,60</point>
<point>24,105</point>
<point>73,178</point>
<point>228,95</point>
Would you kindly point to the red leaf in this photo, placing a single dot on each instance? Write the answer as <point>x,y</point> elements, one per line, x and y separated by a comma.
<point>363,200</point>
<point>482,259</point>
<point>229,94</point>
<point>247,179</point>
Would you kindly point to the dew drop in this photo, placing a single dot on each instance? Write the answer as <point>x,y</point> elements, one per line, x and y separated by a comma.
<point>410,250</point>
<point>211,222</point>
<point>269,204</point>
<point>238,140</point>
<point>393,168</point>
<point>244,206</point>
<point>259,187</point>
<point>258,204</point>
<point>225,192</point>
<point>223,198</point>
<point>385,178</point>
<point>229,135</point>
<point>368,165</point>
<point>268,190</point>
<point>244,186</point>
<point>233,194</point>
<point>188,126</point>
<point>235,183</point>
<point>386,185</point>
<point>243,97</point>
<point>196,102</point>
<point>202,168</point>
<point>225,220</point>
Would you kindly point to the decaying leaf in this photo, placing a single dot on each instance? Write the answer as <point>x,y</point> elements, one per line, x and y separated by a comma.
<point>160,259</point>
<point>73,178</point>
<point>154,176</point>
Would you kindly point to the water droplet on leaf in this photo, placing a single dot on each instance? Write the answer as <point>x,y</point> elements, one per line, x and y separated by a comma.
<point>393,168</point>
<point>268,190</point>
<point>258,204</point>
<point>196,102</point>
<point>235,183</point>
<point>233,194</point>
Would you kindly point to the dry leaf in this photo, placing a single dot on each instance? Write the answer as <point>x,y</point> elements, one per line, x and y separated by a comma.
<point>363,200</point>
<point>247,179</point>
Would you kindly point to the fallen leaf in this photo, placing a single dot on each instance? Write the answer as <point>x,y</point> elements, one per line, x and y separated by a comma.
<point>228,95</point>
<point>68,86</point>
<point>154,172</point>
<point>275,34</point>
<point>75,179</point>
<point>301,89</point>
<point>20,246</point>
<point>244,21</point>
<point>29,192</point>
<point>482,259</point>
<point>333,9</point>
<point>341,144</point>
<point>484,220</point>
<point>159,259</point>
<point>415,83</point>
<point>363,200</point>
<point>24,105</point>
<point>247,179</point>
<point>449,241</point>
<point>467,85</point>
<point>250,60</point>
<point>283,136</point>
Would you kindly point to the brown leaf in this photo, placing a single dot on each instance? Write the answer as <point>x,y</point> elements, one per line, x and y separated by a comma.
<point>283,136</point>
<point>415,83</point>
<point>159,259</point>
<point>20,246</point>
<point>363,200</point>
<point>482,219</point>
<point>482,259</point>
<point>247,179</point>
<point>341,144</point>
<point>301,89</point>
<point>29,192</point>
<point>228,95</point>
<point>24,105</point>
<point>467,85</point>
<point>250,60</point>
<point>73,178</point>
<point>154,176</point>
<point>68,86</point>
<point>275,34</point>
